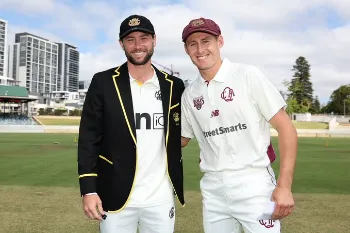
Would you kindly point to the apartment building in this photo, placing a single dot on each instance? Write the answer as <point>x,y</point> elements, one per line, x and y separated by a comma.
<point>68,68</point>
<point>34,63</point>
<point>3,47</point>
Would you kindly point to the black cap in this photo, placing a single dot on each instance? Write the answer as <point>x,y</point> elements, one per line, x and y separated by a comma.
<point>135,23</point>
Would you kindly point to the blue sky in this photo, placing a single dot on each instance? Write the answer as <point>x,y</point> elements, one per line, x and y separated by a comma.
<point>269,35</point>
<point>39,21</point>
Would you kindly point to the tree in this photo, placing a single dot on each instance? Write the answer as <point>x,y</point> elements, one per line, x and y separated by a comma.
<point>293,106</point>
<point>44,111</point>
<point>301,87</point>
<point>339,101</point>
<point>41,111</point>
<point>315,106</point>
<point>75,112</point>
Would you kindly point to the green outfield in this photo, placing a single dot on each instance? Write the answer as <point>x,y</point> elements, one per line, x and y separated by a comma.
<point>47,120</point>
<point>310,125</point>
<point>54,120</point>
<point>39,186</point>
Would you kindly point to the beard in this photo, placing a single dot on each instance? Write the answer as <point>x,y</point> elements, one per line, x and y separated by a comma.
<point>132,60</point>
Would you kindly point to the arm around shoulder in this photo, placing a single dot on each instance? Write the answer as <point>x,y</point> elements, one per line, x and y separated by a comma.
<point>184,141</point>
<point>186,123</point>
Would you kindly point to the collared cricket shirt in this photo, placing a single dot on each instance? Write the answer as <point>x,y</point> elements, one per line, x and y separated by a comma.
<point>229,117</point>
<point>152,185</point>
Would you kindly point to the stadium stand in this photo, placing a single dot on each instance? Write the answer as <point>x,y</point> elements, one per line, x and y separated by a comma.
<point>16,119</point>
<point>17,98</point>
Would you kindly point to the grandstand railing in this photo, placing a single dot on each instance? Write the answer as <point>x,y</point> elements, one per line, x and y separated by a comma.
<point>16,119</point>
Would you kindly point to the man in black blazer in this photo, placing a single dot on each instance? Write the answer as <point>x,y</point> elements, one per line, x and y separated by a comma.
<point>129,148</point>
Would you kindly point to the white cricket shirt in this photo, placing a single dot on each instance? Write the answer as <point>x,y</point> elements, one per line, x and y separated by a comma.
<point>229,117</point>
<point>152,185</point>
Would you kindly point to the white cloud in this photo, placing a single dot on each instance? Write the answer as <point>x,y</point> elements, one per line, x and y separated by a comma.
<point>109,56</point>
<point>28,7</point>
<point>270,34</point>
<point>341,6</point>
<point>81,21</point>
<point>75,21</point>
<point>251,12</point>
<point>13,29</point>
<point>99,10</point>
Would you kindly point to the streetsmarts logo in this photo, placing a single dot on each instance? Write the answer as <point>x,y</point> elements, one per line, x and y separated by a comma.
<point>224,130</point>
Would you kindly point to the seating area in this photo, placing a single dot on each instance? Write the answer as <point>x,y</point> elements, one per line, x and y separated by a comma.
<point>16,119</point>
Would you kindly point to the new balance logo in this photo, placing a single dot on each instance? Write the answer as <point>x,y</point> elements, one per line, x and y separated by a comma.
<point>147,121</point>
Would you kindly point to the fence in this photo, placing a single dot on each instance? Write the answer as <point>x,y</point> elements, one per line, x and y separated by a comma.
<point>320,117</point>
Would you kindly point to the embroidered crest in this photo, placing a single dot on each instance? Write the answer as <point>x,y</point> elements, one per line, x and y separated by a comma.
<point>198,102</point>
<point>227,94</point>
<point>134,22</point>
<point>158,95</point>
<point>197,22</point>
<point>176,117</point>
<point>267,223</point>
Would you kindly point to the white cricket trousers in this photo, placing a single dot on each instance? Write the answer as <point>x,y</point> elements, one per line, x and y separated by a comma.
<point>234,200</point>
<point>155,219</point>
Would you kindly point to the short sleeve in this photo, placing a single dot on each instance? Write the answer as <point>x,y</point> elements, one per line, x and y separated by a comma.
<point>265,95</point>
<point>186,127</point>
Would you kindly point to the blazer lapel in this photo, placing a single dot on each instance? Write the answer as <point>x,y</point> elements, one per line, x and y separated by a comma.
<point>122,85</point>
<point>166,86</point>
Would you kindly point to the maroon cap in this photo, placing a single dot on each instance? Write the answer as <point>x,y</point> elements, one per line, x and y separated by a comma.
<point>201,25</point>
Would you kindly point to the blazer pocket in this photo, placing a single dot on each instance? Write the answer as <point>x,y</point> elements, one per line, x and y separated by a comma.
<point>174,106</point>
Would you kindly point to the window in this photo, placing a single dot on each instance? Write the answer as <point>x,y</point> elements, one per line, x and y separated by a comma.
<point>42,45</point>
<point>48,59</point>
<point>41,57</point>
<point>35,56</point>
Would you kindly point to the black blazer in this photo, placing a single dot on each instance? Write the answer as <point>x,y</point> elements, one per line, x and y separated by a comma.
<point>107,136</point>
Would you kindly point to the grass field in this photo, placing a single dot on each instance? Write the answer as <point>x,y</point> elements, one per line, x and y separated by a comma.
<point>52,120</point>
<point>46,120</point>
<point>310,125</point>
<point>39,187</point>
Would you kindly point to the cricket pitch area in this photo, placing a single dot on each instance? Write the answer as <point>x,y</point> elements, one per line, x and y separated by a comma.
<point>39,190</point>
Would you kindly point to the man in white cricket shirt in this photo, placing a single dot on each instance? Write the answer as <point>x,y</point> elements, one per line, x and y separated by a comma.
<point>129,151</point>
<point>229,109</point>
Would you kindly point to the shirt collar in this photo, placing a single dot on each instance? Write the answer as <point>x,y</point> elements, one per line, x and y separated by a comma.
<point>154,80</point>
<point>221,74</point>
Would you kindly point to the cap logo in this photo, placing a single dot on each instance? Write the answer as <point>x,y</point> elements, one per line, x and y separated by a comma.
<point>134,22</point>
<point>197,22</point>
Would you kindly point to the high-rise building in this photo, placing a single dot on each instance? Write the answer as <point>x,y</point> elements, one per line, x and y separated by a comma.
<point>34,63</point>
<point>3,47</point>
<point>68,68</point>
<point>84,84</point>
<point>13,61</point>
